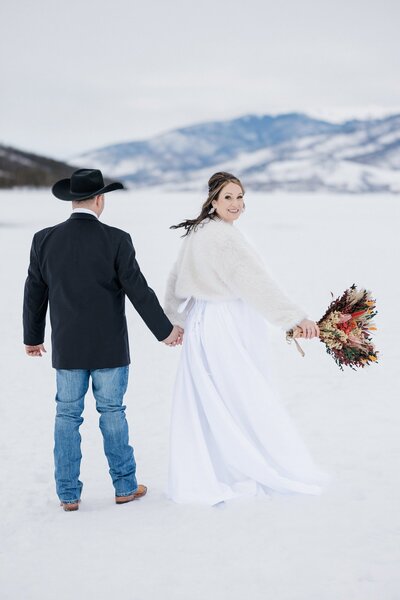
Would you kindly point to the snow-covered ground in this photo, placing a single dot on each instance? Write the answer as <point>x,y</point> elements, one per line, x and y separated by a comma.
<point>344,545</point>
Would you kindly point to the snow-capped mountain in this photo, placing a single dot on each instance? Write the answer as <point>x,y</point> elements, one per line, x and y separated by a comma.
<point>289,151</point>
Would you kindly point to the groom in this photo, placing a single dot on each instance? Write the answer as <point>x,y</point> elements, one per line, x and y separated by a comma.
<point>83,269</point>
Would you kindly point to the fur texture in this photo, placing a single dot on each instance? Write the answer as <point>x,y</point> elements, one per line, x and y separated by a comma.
<point>216,262</point>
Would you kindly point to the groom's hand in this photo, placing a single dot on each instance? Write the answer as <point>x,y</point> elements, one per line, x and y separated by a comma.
<point>35,350</point>
<point>175,338</point>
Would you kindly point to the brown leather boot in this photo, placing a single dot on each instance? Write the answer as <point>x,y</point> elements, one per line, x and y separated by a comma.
<point>141,491</point>
<point>70,506</point>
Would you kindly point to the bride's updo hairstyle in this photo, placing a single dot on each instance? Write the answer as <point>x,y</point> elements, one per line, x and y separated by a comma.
<point>215,184</point>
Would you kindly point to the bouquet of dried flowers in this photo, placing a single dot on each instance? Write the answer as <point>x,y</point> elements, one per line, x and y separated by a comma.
<point>345,329</point>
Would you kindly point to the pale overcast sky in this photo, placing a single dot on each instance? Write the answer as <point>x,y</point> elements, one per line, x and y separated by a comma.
<point>77,75</point>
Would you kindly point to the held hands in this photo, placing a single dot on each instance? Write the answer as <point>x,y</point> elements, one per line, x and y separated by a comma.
<point>35,350</point>
<point>306,329</point>
<point>175,338</point>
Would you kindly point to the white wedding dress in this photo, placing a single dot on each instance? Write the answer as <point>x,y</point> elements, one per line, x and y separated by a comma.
<point>230,435</point>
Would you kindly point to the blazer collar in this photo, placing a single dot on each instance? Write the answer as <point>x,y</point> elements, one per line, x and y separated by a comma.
<point>83,216</point>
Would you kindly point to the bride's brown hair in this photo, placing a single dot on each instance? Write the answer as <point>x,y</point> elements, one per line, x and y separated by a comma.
<point>215,184</point>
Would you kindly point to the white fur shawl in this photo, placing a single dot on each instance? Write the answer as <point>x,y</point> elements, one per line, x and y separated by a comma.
<point>217,263</point>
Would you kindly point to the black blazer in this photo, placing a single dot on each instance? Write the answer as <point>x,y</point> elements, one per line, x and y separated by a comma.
<point>83,269</point>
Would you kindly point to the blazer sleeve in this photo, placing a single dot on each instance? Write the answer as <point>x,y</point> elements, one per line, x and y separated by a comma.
<point>171,301</point>
<point>245,274</point>
<point>139,293</point>
<point>36,297</point>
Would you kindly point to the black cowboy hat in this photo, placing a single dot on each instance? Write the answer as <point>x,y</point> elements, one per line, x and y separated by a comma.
<point>83,183</point>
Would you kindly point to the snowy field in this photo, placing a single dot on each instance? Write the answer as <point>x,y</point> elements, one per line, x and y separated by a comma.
<point>344,545</point>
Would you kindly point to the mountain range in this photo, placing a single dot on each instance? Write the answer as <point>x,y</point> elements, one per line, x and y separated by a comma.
<point>292,151</point>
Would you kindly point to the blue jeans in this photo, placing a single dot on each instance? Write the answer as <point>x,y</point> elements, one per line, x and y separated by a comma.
<point>109,387</point>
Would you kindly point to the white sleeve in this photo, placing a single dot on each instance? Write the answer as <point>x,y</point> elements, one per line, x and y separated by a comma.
<point>244,273</point>
<point>171,301</point>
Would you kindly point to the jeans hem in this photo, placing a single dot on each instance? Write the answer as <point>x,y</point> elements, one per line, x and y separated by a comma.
<point>125,493</point>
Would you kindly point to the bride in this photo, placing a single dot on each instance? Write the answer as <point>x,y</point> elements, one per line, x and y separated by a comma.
<point>230,436</point>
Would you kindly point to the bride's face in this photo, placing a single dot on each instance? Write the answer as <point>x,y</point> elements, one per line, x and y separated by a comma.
<point>229,204</point>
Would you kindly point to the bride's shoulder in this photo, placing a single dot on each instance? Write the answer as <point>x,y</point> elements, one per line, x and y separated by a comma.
<point>217,231</point>
<point>215,240</point>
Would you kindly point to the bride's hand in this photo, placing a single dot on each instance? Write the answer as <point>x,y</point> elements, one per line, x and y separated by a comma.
<point>175,338</point>
<point>309,328</point>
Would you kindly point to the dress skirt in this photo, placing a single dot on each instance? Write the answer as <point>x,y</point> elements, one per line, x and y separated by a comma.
<point>230,435</point>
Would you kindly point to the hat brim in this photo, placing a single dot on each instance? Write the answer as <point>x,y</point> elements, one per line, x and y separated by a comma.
<point>61,190</point>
